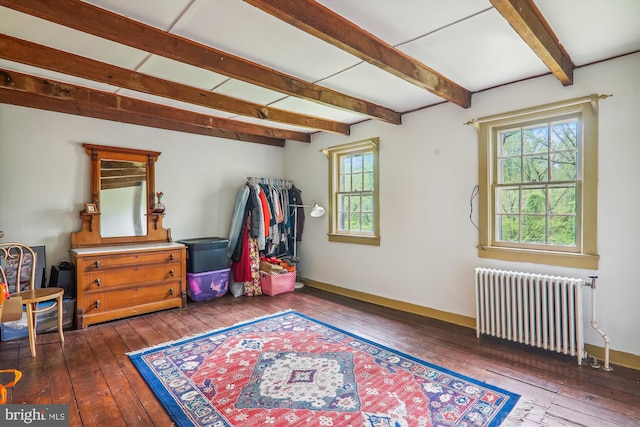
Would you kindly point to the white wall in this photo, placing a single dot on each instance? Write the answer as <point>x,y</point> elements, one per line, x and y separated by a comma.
<point>44,173</point>
<point>428,168</point>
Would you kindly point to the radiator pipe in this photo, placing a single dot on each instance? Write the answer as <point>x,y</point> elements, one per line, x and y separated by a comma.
<point>595,326</point>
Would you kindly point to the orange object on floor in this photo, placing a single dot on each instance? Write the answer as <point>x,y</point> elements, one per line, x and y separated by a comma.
<point>3,387</point>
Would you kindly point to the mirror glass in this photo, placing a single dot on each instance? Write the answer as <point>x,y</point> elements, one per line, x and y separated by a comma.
<point>123,196</point>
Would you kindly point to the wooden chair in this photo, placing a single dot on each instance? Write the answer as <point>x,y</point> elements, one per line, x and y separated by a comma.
<point>17,269</point>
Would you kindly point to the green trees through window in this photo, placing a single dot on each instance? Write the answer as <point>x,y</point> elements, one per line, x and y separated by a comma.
<point>355,197</point>
<point>354,193</point>
<point>537,183</point>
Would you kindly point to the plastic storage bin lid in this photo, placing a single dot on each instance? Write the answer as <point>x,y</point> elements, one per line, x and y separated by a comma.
<point>203,240</point>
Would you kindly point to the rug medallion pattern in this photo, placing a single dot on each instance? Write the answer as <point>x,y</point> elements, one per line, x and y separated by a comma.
<point>291,370</point>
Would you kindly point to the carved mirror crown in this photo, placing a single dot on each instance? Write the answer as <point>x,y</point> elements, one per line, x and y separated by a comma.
<point>122,182</point>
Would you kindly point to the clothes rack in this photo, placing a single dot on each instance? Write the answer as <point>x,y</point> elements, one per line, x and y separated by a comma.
<point>274,182</point>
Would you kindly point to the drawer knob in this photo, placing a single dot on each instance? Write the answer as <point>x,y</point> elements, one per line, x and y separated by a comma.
<point>97,303</point>
<point>171,273</point>
<point>97,264</point>
<point>98,282</point>
<point>171,291</point>
<point>170,257</point>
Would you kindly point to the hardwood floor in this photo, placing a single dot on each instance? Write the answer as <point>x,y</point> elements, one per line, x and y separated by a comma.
<point>92,373</point>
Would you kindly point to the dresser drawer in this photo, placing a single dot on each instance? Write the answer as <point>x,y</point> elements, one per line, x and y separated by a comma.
<point>173,270</point>
<point>89,264</point>
<point>135,275</point>
<point>136,296</point>
<point>94,281</point>
<point>94,303</point>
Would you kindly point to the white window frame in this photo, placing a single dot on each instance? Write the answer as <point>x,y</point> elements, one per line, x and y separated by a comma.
<point>334,154</point>
<point>584,255</point>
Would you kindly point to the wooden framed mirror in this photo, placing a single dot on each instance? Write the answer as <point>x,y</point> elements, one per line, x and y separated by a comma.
<point>120,211</point>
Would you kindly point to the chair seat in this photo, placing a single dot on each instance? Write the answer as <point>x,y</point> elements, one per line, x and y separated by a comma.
<point>39,294</point>
<point>20,261</point>
<point>31,298</point>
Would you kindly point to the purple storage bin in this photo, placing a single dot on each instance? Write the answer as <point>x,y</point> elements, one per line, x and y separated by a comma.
<point>207,285</point>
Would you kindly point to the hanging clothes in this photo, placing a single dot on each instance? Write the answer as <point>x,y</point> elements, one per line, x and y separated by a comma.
<point>295,198</point>
<point>241,267</point>
<point>252,286</point>
<point>237,221</point>
<point>267,205</point>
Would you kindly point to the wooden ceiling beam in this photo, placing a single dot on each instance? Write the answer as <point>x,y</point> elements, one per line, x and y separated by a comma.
<point>525,17</point>
<point>327,25</point>
<point>46,94</point>
<point>36,55</point>
<point>91,19</point>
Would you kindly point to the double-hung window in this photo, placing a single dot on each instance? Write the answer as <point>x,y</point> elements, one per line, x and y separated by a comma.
<point>354,198</point>
<point>538,176</point>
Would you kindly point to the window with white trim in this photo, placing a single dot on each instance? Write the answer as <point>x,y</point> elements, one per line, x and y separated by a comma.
<point>538,175</point>
<point>354,199</point>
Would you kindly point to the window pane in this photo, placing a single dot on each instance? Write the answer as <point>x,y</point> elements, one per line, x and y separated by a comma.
<point>511,143</point>
<point>508,200</point>
<point>345,182</point>
<point>343,224</point>
<point>562,230</point>
<point>345,164</point>
<point>508,228</point>
<point>356,182</point>
<point>354,222</point>
<point>510,170</point>
<point>536,169</point>
<point>564,166</point>
<point>562,200</point>
<point>368,181</point>
<point>356,203</point>
<point>368,162</point>
<point>356,163</point>
<point>534,229</point>
<point>343,203</point>
<point>367,222</point>
<point>367,202</point>
<point>536,139</point>
<point>564,135</point>
<point>534,200</point>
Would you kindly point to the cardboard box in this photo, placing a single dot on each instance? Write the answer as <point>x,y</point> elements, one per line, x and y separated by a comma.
<point>270,267</point>
<point>11,309</point>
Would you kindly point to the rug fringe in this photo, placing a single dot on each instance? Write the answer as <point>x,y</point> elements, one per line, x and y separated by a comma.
<point>519,413</point>
<point>170,343</point>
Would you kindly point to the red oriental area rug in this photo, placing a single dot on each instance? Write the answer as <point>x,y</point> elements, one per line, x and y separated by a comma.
<point>291,370</point>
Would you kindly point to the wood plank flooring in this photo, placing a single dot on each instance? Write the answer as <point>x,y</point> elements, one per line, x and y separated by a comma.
<point>92,373</point>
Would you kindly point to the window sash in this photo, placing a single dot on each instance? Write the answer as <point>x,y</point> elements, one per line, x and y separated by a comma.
<point>354,197</point>
<point>584,253</point>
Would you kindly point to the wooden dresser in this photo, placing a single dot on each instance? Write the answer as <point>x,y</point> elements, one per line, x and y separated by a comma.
<point>121,281</point>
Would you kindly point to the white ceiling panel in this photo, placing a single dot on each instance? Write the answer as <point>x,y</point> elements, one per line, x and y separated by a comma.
<point>370,83</point>
<point>180,72</point>
<point>397,22</point>
<point>262,122</point>
<point>592,30</point>
<point>477,53</point>
<point>248,92</point>
<point>46,33</point>
<point>238,28</point>
<point>317,110</point>
<point>157,13</point>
